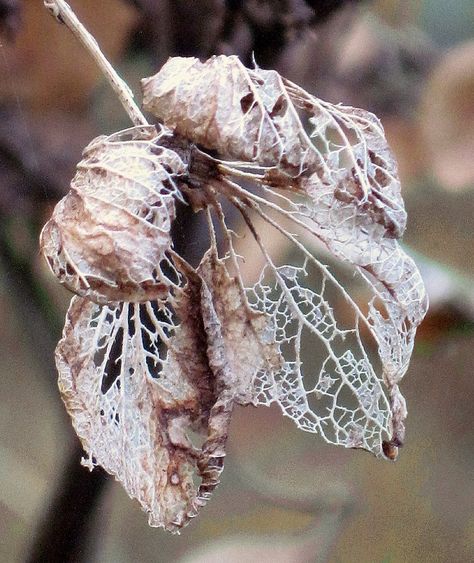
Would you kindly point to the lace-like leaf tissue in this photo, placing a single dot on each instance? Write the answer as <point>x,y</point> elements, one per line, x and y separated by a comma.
<point>155,353</point>
<point>327,170</point>
<point>139,379</point>
<point>108,238</point>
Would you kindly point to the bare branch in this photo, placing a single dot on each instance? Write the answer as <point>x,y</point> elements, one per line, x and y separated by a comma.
<point>64,14</point>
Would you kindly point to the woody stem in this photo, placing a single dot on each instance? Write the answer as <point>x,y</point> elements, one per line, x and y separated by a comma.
<point>64,14</point>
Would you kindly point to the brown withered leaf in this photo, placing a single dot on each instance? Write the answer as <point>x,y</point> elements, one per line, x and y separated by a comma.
<point>143,381</point>
<point>256,116</point>
<point>121,199</point>
<point>219,105</point>
<point>248,339</point>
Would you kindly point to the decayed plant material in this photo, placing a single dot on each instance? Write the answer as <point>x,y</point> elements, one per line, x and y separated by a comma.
<point>122,199</point>
<point>155,353</point>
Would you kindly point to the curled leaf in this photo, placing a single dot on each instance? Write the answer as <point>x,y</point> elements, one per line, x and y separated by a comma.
<point>221,105</point>
<point>325,170</point>
<point>256,116</point>
<point>151,371</point>
<point>108,236</point>
<point>150,387</point>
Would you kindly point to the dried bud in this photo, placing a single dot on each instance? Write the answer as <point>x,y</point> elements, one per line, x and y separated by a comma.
<point>107,237</point>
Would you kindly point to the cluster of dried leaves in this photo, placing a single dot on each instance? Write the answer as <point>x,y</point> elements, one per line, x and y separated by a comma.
<point>155,353</point>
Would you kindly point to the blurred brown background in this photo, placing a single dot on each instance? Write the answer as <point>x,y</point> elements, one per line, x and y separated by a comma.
<point>285,496</point>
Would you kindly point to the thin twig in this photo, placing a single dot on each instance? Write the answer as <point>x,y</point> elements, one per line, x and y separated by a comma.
<point>64,14</point>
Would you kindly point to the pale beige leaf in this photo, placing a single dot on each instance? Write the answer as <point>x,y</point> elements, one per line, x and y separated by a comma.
<point>221,105</point>
<point>150,387</point>
<point>256,116</point>
<point>248,336</point>
<point>121,200</point>
<point>325,169</point>
<point>151,371</point>
<point>132,420</point>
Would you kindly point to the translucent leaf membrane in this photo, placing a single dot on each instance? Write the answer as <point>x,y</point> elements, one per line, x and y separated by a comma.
<point>256,116</point>
<point>218,105</point>
<point>328,383</point>
<point>373,410</point>
<point>328,170</point>
<point>150,387</point>
<point>343,358</point>
<point>108,363</point>
<point>108,237</point>
<point>155,354</point>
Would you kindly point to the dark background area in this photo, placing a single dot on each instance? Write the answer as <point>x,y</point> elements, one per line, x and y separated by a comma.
<point>285,496</point>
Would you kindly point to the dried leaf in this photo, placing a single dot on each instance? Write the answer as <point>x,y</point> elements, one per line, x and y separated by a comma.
<point>142,381</point>
<point>329,171</point>
<point>151,382</point>
<point>219,105</point>
<point>121,199</point>
<point>248,336</point>
<point>252,115</point>
<point>126,419</point>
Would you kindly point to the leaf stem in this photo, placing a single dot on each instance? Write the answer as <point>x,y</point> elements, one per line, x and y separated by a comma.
<point>64,14</point>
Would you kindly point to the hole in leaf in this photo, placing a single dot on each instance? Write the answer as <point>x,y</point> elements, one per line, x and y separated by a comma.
<point>113,365</point>
<point>157,150</point>
<point>280,107</point>
<point>167,185</point>
<point>154,350</point>
<point>246,102</point>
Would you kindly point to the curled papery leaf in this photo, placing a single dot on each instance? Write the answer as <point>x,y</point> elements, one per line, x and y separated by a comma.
<point>219,105</point>
<point>150,371</point>
<point>325,171</point>
<point>108,237</point>
<point>256,116</point>
<point>150,387</point>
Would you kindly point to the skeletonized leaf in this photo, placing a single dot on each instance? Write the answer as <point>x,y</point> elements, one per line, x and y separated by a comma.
<point>248,336</point>
<point>219,105</point>
<point>121,200</point>
<point>143,381</point>
<point>257,116</point>
<point>325,170</point>
<point>150,371</point>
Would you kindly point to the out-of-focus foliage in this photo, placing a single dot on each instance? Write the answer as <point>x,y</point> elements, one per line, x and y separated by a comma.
<point>447,118</point>
<point>386,56</point>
